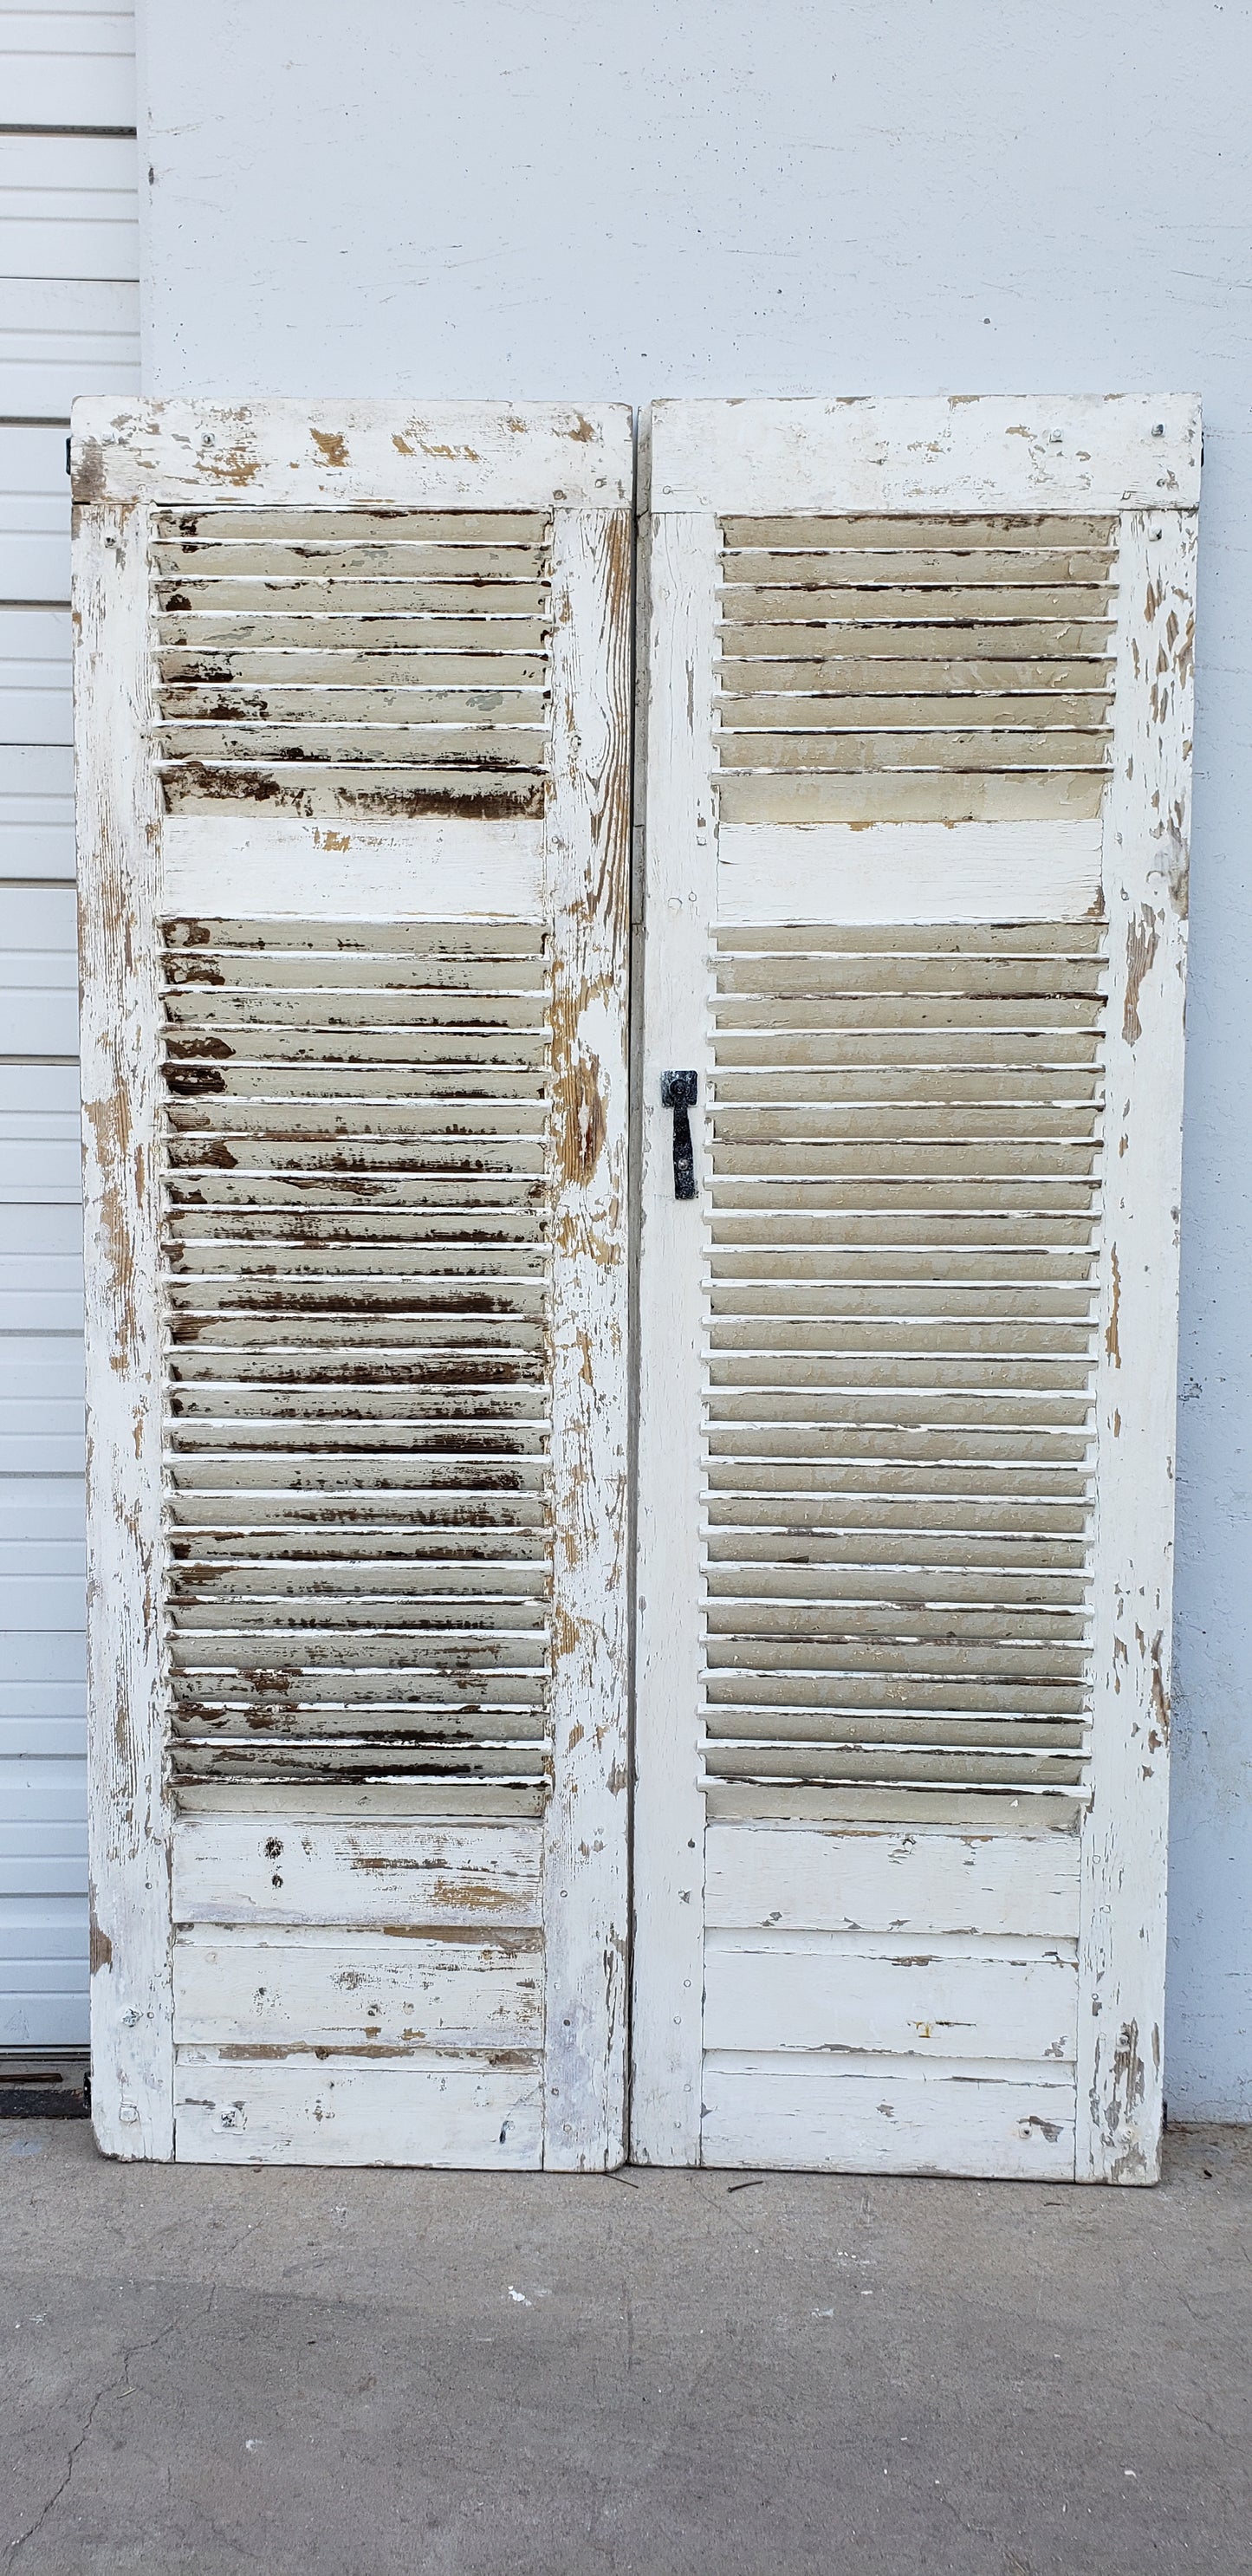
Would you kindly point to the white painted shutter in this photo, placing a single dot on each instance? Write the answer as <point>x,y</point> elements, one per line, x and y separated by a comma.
<point>352,721</point>
<point>917,767</point>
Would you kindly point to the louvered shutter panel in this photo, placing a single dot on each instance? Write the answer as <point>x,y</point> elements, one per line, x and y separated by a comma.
<point>917,756</point>
<point>353,736</point>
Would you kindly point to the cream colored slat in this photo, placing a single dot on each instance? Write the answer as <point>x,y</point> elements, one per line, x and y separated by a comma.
<point>477,706</point>
<point>217,1009</point>
<point>1045,795</point>
<point>966,1770</point>
<point>457,746</point>
<point>850,1004</point>
<point>937,608</point>
<point>220,1315</point>
<point>850,1048</point>
<point>323,789</point>
<point>867,1539</point>
<point>357,1695</point>
<point>863,1479</point>
<point>771,1628</point>
<point>320,968</point>
<point>241,1477</point>
<point>399,593</point>
<point>280,526</point>
<point>814,1326</point>
<point>206,632</point>
<point>1020,530</point>
<point>276,1525</point>
<point>469,1608</point>
<point>844,559</point>
<point>1026,980</point>
<point>881,1100</point>
<point>872,1308</point>
<point>381,1347</point>
<point>810,1689</point>
<point>745,1255</point>
<point>452,946</point>
<point>795,1145</point>
<point>897,1731</point>
<point>754,1583</point>
<point>835,750</point>
<point>931,939</point>
<point>328,1114</point>
<point>194,672</point>
<point>271,1574</point>
<point>1015,643</point>
<point>421,1097</point>
<point>276,556</point>
<point>824,673</point>
<point>295,1766</point>
<point>772,713</point>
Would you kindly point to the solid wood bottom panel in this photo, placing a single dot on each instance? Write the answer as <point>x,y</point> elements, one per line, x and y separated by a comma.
<point>849,1880</point>
<point>1011,2131</point>
<point>915,2001</point>
<point>334,1989</point>
<point>310,2112</point>
<point>289,1868</point>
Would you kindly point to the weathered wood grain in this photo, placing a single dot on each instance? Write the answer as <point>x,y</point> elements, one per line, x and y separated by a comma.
<point>348,2111</point>
<point>338,455</point>
<point>588,858</point>
<point>1147,826</point>
<point>681,879</point>
<point>129,1818</point>
<point>944,455</point>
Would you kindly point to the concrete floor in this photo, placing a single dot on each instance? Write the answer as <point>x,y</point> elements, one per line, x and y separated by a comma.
<point>246,2373</point>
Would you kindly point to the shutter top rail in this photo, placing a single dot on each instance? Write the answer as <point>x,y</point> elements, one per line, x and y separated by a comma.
<point>353,455</point>
<point>936,453</point>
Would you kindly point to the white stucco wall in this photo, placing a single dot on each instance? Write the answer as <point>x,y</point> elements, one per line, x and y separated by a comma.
<point>576,197</point>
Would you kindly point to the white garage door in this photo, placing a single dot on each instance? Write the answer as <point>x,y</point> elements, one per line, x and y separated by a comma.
<point>68,325</point>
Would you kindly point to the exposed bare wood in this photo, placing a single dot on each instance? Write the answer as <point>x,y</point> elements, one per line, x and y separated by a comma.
<point>132,2004</point>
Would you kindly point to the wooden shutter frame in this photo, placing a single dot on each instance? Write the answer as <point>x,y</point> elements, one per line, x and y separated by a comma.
<point>1137,457</point>
<point>126,460</point>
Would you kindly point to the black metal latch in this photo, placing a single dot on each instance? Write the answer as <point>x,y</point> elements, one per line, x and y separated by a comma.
<point>678,1092</point>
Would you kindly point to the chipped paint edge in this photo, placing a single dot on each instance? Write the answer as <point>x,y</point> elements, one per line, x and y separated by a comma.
<point>344,455</point>
<point>963,452</point>
<point>1147,820</point>
<point>129,1822</point>
<point>587,1818</point>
